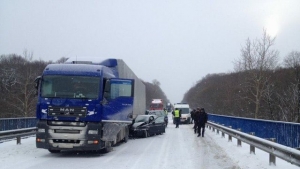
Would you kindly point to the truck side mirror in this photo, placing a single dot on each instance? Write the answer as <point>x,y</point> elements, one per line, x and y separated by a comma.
<point>106,95</point>
<point>106,92</point>
<point>37,84</point>
<point>107,86</point>
<point>130,115</point>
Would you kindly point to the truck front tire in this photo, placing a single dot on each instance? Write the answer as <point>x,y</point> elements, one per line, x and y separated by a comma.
<point>54,151</point>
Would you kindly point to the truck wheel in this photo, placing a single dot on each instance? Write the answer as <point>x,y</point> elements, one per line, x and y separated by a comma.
<point>125,139</point>
<point>107,148</point>
<point>54,151</point>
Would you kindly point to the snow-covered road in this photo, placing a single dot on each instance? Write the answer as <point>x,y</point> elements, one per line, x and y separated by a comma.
<point>178,148</point>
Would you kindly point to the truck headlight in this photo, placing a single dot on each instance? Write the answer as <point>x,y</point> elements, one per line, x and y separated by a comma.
<point>93,132</point>
<point>41,130</point>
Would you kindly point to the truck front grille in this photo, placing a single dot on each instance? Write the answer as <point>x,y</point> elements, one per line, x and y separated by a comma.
<point>67,131</point>
<point>66,141</point>
<point>67,111</point>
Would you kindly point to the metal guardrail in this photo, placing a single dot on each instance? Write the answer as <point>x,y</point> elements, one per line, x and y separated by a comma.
<point>9,134</point>
<point>274,149</point>
<point>17,123</point>
<point>285,133</point>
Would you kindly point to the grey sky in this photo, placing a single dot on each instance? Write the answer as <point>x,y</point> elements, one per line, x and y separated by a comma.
<point>177,42</point>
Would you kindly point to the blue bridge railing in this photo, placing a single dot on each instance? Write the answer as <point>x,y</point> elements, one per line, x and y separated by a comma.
<point>285,133</point>
<point>17,123</point>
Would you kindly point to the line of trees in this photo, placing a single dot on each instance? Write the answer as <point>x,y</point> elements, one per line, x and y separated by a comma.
<point>258,88</point>
<point>153,91</point>
<point>17,93</point>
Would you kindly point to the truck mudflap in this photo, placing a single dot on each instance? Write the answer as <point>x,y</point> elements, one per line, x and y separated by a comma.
<point>55,135</point>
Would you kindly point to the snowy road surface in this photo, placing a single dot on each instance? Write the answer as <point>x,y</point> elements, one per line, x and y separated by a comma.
<point>178,148</point>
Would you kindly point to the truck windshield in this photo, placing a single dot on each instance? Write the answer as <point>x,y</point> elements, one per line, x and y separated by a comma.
<point>70,86</point>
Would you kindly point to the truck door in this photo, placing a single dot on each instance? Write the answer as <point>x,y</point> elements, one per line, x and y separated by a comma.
<point>118,96</point>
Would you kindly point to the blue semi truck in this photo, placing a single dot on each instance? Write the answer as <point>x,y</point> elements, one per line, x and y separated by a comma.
<point>86,104</point>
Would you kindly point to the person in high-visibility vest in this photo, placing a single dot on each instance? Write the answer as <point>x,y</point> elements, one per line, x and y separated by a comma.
<point>166,112</point>
<point>177,114</point>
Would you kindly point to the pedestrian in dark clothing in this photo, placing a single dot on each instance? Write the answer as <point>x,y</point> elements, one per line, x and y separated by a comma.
<point>201,122</point>
<point>196,119</point>
<point>177,114</point>
<point>193,115</point>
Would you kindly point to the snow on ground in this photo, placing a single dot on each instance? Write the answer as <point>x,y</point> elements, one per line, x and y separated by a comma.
<point>176,149</point>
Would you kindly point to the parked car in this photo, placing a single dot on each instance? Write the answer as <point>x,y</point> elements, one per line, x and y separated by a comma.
<point>147,125</point>
<point>160,113</point>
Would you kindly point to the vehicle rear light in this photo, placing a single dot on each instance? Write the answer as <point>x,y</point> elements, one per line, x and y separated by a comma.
<point>40,140</point>
<point>93,142</point>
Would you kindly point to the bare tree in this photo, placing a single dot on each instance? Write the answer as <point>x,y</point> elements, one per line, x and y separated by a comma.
<point>153,91</point>
<point>22,96</point>
<point>268,96</point>
<point>287,103</point>
<point>17,85</point>
<point>155,86</point>
<point>62,60</point>
<point>9,72</point>
<point>256,59</point>
<point>156,82</point>
<point>292,60</point>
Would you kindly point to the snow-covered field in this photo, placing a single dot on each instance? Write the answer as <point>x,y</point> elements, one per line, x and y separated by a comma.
<point>178,148</point>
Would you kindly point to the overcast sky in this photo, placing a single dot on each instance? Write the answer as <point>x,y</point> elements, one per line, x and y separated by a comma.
<point>177,42</point>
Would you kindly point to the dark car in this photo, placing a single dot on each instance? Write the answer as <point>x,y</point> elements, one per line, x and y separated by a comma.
<point>147,125</point>
<point>160,113</point>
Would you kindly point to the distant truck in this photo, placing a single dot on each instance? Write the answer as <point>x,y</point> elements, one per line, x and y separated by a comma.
<point>87,104</point>
<point>185,112</point>
<point>157,104</point>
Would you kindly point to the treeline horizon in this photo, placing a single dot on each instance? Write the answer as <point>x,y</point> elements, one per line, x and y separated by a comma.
<point>258,87</point>
<point>18,96</point>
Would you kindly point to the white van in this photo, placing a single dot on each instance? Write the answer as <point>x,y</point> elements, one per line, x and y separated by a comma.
<point>185,113</point>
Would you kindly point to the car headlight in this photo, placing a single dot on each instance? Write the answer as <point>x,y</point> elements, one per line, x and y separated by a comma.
<point>142,127</point>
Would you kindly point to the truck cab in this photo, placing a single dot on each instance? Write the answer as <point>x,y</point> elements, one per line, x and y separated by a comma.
<point>85,106</point>
<point>157,104</point>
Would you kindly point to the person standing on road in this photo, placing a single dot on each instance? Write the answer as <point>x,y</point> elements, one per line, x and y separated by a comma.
<point>196,119</point>
<point>177,114</point>
<point>201,122</point>
<point>166,112</point>
<point>193,115</point>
